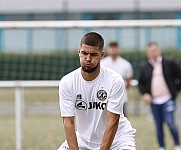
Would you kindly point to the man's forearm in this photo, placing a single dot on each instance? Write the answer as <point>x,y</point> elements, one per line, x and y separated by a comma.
<point>70,135</point>
<point>128,82</point>
<point>108,137</point>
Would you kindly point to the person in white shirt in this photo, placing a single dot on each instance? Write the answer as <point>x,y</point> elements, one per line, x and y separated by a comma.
<point>123,67</point>
<point>91,103</point>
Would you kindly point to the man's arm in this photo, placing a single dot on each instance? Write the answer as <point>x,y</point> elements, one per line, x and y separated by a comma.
<point>128,76</point>
<point>128,80</point>
<point>147,98</point>
<point>110,131</point>
<point>177,73</point>
<point>69,127</point>
<point>142,82</point>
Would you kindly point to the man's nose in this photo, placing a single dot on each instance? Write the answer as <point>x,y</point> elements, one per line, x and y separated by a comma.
<point>88,58</point>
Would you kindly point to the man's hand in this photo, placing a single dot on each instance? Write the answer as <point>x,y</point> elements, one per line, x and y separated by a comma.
<point>147,98</point>
<point>69,127</point>
<point>110,131</point>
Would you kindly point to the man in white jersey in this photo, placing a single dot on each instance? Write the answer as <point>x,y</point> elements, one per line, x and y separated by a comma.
<point>123,67</point>
<point>94,95</point>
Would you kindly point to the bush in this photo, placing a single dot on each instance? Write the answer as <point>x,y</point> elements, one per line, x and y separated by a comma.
<point>54,66</point>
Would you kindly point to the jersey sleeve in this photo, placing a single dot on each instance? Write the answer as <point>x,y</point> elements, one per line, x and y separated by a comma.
<point>67,106</point>
<point>129,70</point>
<point>117,97</point>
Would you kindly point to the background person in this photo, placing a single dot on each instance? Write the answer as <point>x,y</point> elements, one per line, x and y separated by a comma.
<point>160,82</point>
<point>123,67</point>
<point>94,95</point>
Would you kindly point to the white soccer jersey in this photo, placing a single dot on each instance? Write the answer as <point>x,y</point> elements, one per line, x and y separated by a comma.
<point>121,66</point>
<point>89,101</point>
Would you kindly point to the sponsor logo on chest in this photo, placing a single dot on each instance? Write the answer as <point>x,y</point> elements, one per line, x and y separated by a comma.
<point>80,104</point>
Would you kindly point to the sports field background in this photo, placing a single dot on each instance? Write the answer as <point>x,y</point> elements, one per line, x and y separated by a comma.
<point>42,126</point>
<point>30,54</point>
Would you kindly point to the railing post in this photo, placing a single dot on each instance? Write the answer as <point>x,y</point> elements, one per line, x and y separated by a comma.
<point>18,116</point>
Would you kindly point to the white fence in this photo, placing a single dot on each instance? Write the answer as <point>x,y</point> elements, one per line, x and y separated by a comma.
<point>89,24</point>
<point>53,36</point>
<point>19,100</point>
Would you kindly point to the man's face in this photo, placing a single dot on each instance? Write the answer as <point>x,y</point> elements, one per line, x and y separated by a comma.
<point>153,52</point>
<point>113,52</point>
<point>90,57</point>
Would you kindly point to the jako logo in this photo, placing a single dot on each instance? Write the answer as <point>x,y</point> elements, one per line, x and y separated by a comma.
<point>97,105</point>
<point>81,105</point>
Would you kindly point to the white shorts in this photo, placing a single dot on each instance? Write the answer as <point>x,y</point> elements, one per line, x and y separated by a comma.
<point>124,140</point>
<point>65,146</point>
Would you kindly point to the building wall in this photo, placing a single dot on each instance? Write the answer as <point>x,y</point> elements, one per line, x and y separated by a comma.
<point>48,40</point>
<point>73,6</point>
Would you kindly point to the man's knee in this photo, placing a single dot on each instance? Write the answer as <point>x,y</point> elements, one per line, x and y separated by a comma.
<point>172,125</point>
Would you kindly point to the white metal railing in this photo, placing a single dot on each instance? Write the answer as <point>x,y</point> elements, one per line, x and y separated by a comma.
<point>90,24</point>
<point>19,86</point>
<point>19,97</point>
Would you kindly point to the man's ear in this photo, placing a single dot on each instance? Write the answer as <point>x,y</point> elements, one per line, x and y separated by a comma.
<point>102,54</point>
<point>78,51</point>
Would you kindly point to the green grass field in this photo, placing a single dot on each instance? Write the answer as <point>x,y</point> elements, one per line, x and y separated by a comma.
<point>45,131</point>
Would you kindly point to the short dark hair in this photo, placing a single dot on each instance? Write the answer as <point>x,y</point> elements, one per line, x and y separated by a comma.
<point>153,43</point>
<point>113,44</point>
<point>93,39</point>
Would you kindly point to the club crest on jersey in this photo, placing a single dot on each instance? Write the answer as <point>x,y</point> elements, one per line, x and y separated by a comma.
<point>102,95</point>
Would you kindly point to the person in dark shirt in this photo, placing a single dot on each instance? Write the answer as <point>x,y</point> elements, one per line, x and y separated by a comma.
<point>160,83</point>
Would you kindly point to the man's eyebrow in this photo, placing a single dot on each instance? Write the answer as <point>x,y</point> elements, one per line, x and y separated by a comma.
<point>88,52</point>
<point>95,52</point>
